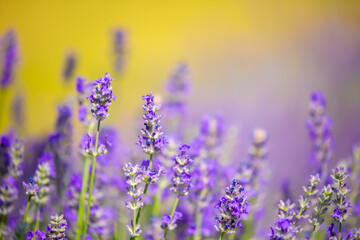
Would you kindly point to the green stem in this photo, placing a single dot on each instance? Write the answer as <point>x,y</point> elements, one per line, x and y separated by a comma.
<point>91,181</point>
<point>27,208</point>
<point>156,206</point>
<point>37,223</point>
<point>198,224</point>
<point>341,199</point>
<point>339,231</point>
<point>144,193</point>
<point>221,236</point>
<point>313,233</point>
<point>84,186</point>
<point>172,213</point>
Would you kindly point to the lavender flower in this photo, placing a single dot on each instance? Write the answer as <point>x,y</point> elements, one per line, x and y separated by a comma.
<point>8,195</point>
<point>57,227</point>
<point>342,205</point>
<point>182,176</point>
<point>133,179</point>
<point>43,174</point>
<point>232,208</point>
<point>151,140</point>
<point>39,235</point>
<point>321,207</point>
<point>87,149</point>
<point>69,68</point>
<point>178,88</point>
<point>354,234</point>
<point>31,188</point>
<point>319,127</point>
<point>119,49</point>
<point>170,223</point>
<point>83,90</point>
<point>101,96</point>
<point>150,176</point>
<point>17,158</point>
<point>286,227</point>
<point>9,51</point>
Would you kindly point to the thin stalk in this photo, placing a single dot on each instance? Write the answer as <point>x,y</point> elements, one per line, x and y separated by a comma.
<point>37,223</point>
<point>144,194</point>
<point>27,208</point>
<point>198,221</point>
<point>324,171</point>
<point>155,210</point>
<point>172,213</point>
<point>91,181</point>
<point>221,236</point>
<point>84,186</point>
<point>341,199</point>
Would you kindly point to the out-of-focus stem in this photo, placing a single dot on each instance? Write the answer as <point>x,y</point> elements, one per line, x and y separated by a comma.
<point>84,186</point>
<point>91,181</point>
<point>221,236</point>
<point>198,220</point>
<point>37,222</point>
<point>172,213</point>
<point>27,208</point>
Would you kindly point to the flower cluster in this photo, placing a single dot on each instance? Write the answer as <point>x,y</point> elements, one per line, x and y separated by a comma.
<point>232,207</point>
<point>119,49</point>
<point>38,235</point>
<point>9,52</point>
<point>170,223</point>
<point>17,158</point>
<point>31,188</point>
<point>319,127</point>
<point>87,149</point>
<point>354,234</point>
<point>8,195</point>
<point>341,212</point>
<point>43,174</point>
<point>69,66</point>
<point>151,139</point>
<point>133,179</point>
<point>182,176</point>
<point>286,227</point>
<point>101,96</point>
<point>150,176</point>
<point>321,207</point>
<point>57,227</point>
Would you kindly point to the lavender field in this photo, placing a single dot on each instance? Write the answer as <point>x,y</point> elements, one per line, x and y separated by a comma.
<point>184,120</point>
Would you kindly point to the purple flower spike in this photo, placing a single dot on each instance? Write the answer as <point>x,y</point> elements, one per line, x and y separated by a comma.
<point>168,223</point>
<point>101,96</point>
<point>39,235</point>
<point>70,64</point>
<point>31,188</point>
<point>182,177</point>
<point>319,127</point>
<point>232,208</point>
<point>151,140</point>
<point>9,51</point>
<point>57,227</point>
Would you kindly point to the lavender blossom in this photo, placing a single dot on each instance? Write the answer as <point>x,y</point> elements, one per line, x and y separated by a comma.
<point>43,174</point>
<point>232,207</point>
<point>150,176</point>
<point>83,90</point>
<point>321,207</point>
<point>151,141</point>
<point>170,223</point>
<point>119,49</point>
<point>354,234</point>
<point>286,227</point>
<point>31,188</point>
<point>133,179</point>
<point>342,205</point>
<point>17,158</point>
<point>182,176</point>
<point>9,51</point>
<point>57,227</point>
<point>319,127</point>
<point>8,195</point>
<point>178,88</point>
<point>69,67</point>
<point>39,235</point>
<point>101,96</point>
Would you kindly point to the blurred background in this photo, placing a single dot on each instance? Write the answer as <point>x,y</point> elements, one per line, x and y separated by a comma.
<point>255,62</point>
